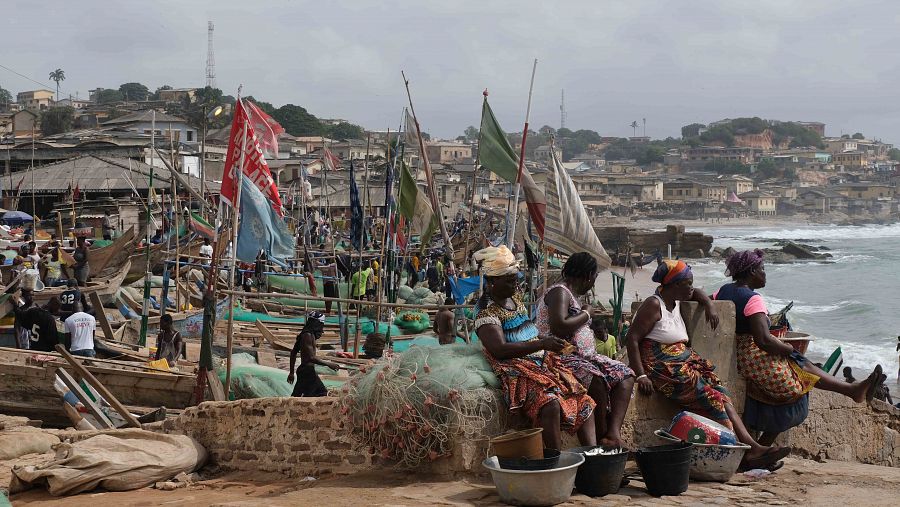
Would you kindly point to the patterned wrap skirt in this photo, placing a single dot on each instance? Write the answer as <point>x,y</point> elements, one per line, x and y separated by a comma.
<point>680,374</point>
<point>775,380</point>
<point>528,386</point>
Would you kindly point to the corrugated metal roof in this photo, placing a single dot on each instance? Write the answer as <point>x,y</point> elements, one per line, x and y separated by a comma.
<point>95,174</point>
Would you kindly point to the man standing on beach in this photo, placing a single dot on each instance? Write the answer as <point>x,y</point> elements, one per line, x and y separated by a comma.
<point>308,382</point>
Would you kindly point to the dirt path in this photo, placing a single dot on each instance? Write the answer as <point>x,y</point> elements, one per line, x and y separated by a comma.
<point>799,482</point>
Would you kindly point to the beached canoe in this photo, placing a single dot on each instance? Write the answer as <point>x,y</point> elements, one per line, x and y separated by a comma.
<point>100,286</point>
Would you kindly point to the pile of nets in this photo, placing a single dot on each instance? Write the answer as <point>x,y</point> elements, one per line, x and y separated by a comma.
<point>413,321</point>
<point>419,296</point>
<point>412,407</point>
<point>251,380</point>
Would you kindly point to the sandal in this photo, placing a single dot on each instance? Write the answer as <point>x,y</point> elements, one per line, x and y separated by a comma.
<point>876,374</point>
<point>771,457</point>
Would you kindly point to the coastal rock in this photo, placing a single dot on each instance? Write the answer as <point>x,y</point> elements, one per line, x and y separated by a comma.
<point>728,252</point>
<point>716,252</point>
<point>798,251</point>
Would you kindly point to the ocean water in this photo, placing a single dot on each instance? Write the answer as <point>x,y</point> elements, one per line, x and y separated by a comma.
<point>852,302</point>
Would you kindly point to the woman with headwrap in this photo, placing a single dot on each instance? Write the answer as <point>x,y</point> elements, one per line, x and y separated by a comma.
<point>659,355</point>
<point>527,364</point>
<point>609,382</point>
<point>778,377</point>
<point>308,382</point>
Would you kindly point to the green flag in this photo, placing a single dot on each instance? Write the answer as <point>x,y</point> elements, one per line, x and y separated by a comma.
<point>414,206</point>
<point>497,156</point>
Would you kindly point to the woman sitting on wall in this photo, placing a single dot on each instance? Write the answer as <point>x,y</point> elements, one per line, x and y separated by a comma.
<point>778,377</point>
<point>659,354</point>
<point>609,382</point>
<point>527,365</point>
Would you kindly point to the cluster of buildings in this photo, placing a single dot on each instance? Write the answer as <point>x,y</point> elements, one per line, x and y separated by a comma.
<point>845,176</point>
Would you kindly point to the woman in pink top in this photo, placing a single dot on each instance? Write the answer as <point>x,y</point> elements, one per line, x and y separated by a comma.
<point>659,355</point>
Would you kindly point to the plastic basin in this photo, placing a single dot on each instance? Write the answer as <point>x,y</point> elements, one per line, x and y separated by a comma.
<point>535,487</point>
<point>519,444</point>
<point>711,462</point>
<point>550,460</point>
<point>665,468</point>
<point>601,474</point>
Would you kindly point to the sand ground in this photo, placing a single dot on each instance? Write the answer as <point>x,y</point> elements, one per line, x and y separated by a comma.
<point>801,482</point>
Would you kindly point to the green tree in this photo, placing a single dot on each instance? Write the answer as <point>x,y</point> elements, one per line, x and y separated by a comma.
<point>57,75</point>
<point>57,120</point>
<point>134,91</point>
<point>108,96</point>
<point>726,167</point>
<point>471,133</point>
<point>651,154</point>
<point>5,97</point>
<point>297,121</point>
<point>345,130</point>
<point>894,154</point>
<point>766,168</point>
<point>692,130</point>
<point>195,110</point>
<point>858,135</point>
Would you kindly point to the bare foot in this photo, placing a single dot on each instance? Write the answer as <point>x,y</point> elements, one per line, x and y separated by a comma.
<point>866,389</point>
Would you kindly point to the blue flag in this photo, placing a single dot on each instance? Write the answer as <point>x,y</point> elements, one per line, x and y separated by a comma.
<point>261,228</point>
<point>357,230</point>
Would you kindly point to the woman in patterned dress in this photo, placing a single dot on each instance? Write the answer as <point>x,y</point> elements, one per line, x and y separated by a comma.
<point>527,365</point>
<point>778,377</point>
<point>609,382</point>
<point>659,355</point>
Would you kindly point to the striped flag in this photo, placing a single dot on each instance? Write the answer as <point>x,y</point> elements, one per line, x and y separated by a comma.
<point>201,227</point>
<point>568,228</point>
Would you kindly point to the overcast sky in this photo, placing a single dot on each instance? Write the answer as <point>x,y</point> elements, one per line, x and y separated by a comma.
<point>671,62</point>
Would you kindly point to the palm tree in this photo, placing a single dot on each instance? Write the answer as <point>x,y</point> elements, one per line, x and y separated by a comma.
<point>57,75</point>
<point>634,126</point>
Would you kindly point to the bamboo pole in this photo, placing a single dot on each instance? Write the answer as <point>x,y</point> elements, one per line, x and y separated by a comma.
<point>511,234</point>
<point>145,311</point>
<point>96,384</point>
<point>239,175</point>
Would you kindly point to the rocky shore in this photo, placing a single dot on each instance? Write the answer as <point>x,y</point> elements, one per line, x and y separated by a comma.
<point>788,252</point>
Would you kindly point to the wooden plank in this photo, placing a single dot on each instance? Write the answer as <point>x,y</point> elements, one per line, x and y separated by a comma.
<point>269,337</point>
<point>96,384</point>
<point>215,386</point>
<point>192,351</point>
<point>101,315</point>
<point>266,358</point>
<point>84,398</point>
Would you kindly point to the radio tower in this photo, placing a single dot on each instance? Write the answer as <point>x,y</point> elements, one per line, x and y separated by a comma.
<point>562,110</point>
<point>210,58</point>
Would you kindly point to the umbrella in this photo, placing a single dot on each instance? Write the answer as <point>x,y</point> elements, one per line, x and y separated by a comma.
<point>17,216</point>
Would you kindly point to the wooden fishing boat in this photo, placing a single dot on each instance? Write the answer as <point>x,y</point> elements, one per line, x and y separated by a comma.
<point>158,255</point>
<point>189,324</point>
<point>108,259</point>
<point>26,384</point>
<point>100,286</point>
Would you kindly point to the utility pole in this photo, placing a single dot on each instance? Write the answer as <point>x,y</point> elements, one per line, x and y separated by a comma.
<point>210,57</point>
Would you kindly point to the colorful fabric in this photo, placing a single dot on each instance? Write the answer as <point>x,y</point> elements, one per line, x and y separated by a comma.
<point>771,379</point>
<point>261,228</point>
<point>497,261</point>
<point>201,227</point>
<point>671,271</point>
<point>585,363</point>
<point>755,305</point>
<point>569,229</point>
<point>740,263</point>
<point>531,382</point>
<point>680,374</point>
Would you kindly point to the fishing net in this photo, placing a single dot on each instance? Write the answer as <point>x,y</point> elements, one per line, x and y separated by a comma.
<point>413,321</point>
<point>250,380</point>
<point>412,407</point>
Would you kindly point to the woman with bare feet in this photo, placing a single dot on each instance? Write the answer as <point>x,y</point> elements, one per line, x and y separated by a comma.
<point>659,354</point>
<point>609,382</point>
<point>778,377</point>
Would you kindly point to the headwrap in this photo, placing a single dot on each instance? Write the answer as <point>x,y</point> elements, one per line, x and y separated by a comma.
<point>497,261</point>
<point>671,271</point>
<point>315,324</point>
<point>740,263</point>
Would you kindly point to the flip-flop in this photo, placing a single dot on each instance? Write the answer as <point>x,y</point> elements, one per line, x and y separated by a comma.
<point>772,456</point>
<point>775,466</point>
<point>876,374</point>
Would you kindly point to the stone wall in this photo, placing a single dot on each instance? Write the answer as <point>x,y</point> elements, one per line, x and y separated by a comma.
<point>293,436</point>
<point>684,244</point>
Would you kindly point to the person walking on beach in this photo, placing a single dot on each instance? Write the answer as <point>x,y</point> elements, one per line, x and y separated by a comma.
<point>779,378</point>
<point>308,382</point>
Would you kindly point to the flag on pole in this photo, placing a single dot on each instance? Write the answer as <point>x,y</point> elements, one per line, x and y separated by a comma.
<point>496,155</point>
<point>415,207</point>
<point>266,128</point>
<point>261,228</point>
<point>568,228</point>
<point>76,194</point>
<point>201,227</point>
<point>331,161</point>
<point>357,231</point>
<point>255,167</point>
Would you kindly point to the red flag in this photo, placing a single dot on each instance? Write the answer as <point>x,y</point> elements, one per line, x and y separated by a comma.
<point>401,239</point>
<point>76,194</point>
<point>331,161</point>
<point>266,128</point>
<point>255,166</point>
<point>20,183</point>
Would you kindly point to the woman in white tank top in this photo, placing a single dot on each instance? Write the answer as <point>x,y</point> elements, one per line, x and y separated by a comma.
<point>659,355</point>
